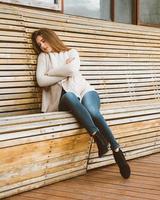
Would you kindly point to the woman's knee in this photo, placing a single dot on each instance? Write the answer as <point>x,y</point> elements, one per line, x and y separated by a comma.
<point>70,97</point>
<point>91,101</point>
<point>94,112</point>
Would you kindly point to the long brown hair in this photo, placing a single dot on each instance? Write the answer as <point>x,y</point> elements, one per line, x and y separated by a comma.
<point>51,37</point>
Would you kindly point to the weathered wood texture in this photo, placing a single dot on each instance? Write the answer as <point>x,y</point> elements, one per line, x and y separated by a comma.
<point>121,61</point>
<point>105,183</point>
<point>36,150</point>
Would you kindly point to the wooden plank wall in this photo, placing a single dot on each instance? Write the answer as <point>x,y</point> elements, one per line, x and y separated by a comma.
<point>123,56</point>
<point>121,61</point>
<point>18,91</point>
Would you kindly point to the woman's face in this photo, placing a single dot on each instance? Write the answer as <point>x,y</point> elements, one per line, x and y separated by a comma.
<point>43,44</point>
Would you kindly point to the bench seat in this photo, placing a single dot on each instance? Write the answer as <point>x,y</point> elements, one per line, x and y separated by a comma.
<point>121,61</point>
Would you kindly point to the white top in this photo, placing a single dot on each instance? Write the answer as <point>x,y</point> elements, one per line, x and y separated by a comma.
<point>53,73</point>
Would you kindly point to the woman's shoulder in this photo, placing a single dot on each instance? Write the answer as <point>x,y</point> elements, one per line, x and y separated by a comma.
<point>42,55</point>
<point>73,52</point>
<point>42,58</point>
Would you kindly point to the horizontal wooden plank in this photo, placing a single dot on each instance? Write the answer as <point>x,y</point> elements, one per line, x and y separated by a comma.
<point>121,55</point>
<point>12,34</point>
<point>18,84</point>
<point>88,25</point>
<point>12,39</point>
<point>11,27</point>
<point>20,101</point>
<point>18,67</point>
<point>18,96</point>
<point>22,107</point>
<point>98,56</point>
<point>131,63</point>
<point>16,51</point>
<point>12,56</point>
<point>151,68</point>
<point>30,75</point>
<point>19,113</point>
<point>15,45</point>
<point>17,61</point>
<point>19,90</point>
<point>130,69</point>
<point>12,22</point>
<point>16,74</point>
<point>11,16</point>
<point>5,9</point>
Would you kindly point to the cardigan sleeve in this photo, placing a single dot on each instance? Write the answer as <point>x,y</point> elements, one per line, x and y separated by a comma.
<point>44,80</point>
<point>70,68</point>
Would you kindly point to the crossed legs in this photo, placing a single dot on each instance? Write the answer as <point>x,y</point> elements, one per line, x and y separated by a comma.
<point>88,115</point>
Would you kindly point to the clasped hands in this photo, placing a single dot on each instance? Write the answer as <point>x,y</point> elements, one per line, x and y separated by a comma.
<point>69,60</point>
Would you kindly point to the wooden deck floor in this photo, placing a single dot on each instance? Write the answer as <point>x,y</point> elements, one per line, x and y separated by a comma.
<point>105,183</point>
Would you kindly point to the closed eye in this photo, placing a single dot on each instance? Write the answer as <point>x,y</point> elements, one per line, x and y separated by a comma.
<point>42,41</point>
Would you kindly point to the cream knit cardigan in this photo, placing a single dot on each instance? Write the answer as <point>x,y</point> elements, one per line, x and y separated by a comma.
<point>53,73</point>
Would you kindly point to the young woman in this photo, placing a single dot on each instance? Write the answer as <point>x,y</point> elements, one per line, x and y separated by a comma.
<point>64,88</point>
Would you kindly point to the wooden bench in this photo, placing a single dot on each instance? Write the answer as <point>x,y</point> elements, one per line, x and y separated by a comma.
<point>121,61</point>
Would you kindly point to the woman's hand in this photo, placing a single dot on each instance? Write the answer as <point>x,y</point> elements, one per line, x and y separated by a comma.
<point>69,60</point>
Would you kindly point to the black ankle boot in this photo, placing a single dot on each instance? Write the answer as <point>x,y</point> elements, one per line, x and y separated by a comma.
<point>124,168</point>
<point>102,144</point>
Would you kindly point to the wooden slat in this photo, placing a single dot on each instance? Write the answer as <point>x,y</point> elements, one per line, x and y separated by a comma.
<point>22,67</point>
<point>18,90</point>
<point>12,33</point>
<point>12,39</point>
<point>17,61</point>
<point>11,27</point>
